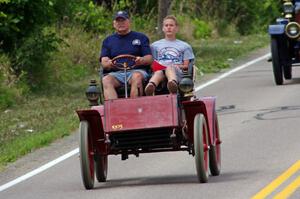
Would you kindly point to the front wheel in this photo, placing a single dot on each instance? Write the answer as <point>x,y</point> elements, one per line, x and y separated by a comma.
<point>201,147</point>
<point>287,72</point>
<point>277,68</point>
<point>101,168</point>
<point>86,155</point>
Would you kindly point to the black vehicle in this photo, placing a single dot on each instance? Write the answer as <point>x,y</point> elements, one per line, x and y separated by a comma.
<point>285,41</point>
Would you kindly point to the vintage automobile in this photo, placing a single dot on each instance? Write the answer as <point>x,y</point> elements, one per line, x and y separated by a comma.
<point>148,124</point>
<point>285,41</point>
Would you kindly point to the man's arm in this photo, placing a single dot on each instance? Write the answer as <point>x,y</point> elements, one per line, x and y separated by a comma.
<point>145,60</point>
<point>106,63</point>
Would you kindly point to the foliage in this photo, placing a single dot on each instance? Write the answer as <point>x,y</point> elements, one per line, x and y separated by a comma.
<point>12,90</point>
<point>20,17</point>
<point>31,58</point>
<point>76,56</point>
<point>94,18</point>
<point>250,16</point>
<point>202,29</point>
<point>247,15</point>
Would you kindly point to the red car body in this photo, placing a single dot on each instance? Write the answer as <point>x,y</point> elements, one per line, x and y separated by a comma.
<point>150,124</point>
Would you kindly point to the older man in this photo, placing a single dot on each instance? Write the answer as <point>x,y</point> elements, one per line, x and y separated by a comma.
<point>124,41</point>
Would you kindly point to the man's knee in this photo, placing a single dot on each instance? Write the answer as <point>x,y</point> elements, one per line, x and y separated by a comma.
<point>137,79</point>
<point>137,76</point>
<point>108,81</point>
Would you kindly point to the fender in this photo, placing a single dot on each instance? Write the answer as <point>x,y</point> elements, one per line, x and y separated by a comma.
<point>277,29</point>
<point>206,106</point>
<point>94,117</point>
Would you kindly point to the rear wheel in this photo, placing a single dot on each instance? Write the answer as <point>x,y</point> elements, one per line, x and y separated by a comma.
<point>86,155</point>
<point>101,168</point>
<point>215,152</point>
<point>277,68</point>
<point>200,147</point>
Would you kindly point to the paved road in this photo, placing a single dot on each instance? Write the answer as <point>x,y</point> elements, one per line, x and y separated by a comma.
<point>259,125</point>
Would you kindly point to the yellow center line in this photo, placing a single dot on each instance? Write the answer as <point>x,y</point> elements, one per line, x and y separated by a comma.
<point>291,188</point>
<point>278,181</point>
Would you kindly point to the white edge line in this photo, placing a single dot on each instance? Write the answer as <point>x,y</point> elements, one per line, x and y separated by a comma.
<point>38,170</point>
<point>232,71</point>
<point>75,151</point>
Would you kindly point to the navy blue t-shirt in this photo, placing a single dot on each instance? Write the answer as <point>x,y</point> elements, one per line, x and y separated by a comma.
<point>134,43</point>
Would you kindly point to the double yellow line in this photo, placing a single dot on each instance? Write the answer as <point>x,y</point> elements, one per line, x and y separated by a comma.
<point>288,190</point>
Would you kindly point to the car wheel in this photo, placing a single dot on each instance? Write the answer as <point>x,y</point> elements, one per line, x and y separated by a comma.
<point>277,68</point>
<point>101,168</point>
<point>86,155</point>
<point>287,71</point>
<point>201,147</point>
<point>215,152</point>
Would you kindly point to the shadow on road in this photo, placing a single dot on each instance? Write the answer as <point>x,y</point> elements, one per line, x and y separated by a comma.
<point>174,179</point>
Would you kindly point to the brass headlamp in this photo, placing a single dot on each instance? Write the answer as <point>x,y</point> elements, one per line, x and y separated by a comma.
<point>292,30</point>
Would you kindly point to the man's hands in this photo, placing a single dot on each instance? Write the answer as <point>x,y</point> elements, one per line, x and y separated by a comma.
<point>146,60</point>
<point>139,61</point>
<point>106,63</point>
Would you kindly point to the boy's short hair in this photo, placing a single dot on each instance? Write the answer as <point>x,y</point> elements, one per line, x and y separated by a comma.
<point>171,17</point>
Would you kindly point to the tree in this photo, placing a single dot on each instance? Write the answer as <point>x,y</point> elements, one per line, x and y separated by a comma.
<point>163,11</point>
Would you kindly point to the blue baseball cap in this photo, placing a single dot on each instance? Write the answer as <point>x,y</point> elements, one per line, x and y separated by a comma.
<point>122,14</point>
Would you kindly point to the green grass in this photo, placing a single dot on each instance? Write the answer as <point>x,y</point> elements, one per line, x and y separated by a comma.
<point>48,116</point>
<point>215,55</point>
<point>40,120</point>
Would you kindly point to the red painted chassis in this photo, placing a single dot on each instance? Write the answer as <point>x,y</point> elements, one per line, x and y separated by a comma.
<point>146,125</point>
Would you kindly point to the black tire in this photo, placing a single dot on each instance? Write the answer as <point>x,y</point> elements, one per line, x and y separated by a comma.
<point>287,72</point>
<point>277,68</point>
<point>215,152</point>
<point>86,157</point>
<point>101,168</point>
<point>201,154</point>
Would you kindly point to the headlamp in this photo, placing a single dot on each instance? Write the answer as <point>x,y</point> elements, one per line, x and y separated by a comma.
<point>92,93</point>
<point>186,84</point>
<point>292,30</point>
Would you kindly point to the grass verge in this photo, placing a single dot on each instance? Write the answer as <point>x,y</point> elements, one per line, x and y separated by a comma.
<point>44,118</point>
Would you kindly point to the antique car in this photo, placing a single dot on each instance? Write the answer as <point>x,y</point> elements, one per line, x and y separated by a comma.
<point>148,124</point>
<point>285,41</point>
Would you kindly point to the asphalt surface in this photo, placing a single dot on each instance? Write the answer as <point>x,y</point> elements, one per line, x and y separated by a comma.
<point>259,126</point>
